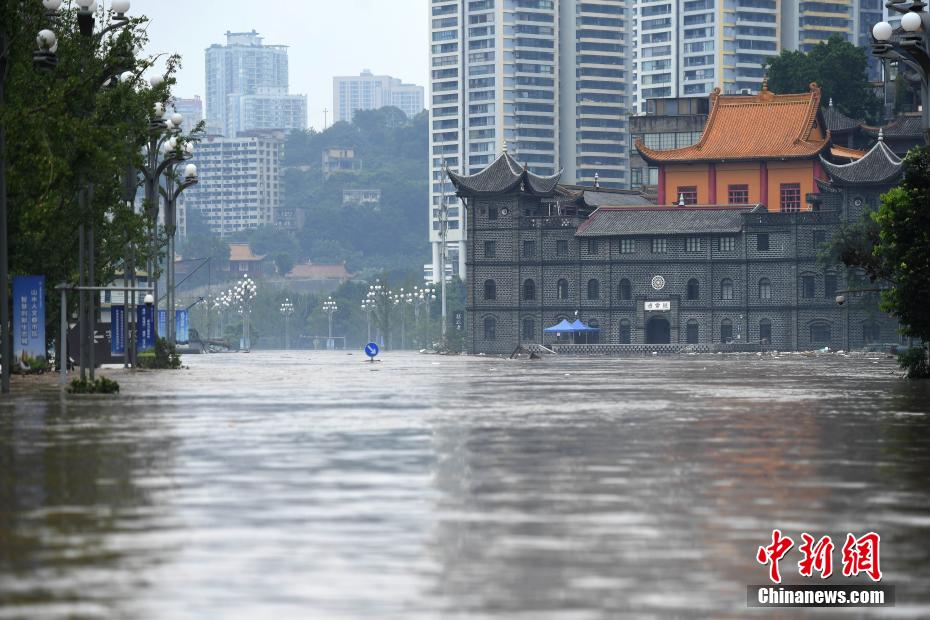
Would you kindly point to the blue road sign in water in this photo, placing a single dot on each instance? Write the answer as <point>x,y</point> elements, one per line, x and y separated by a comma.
<point>371,349</point>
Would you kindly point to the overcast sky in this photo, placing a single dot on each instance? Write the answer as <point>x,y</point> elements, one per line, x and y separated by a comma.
<point>326,38</point>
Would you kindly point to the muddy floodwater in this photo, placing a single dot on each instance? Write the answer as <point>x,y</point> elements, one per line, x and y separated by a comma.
<point>314,485</point>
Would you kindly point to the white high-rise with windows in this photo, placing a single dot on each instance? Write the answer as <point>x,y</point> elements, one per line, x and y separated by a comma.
<point>688,47</point>
<point>367,91</point>
<point>546,78</point>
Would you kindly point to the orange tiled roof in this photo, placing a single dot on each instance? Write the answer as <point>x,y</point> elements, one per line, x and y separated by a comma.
<point>761,126</point>
<point>242,252</point>
<point>845,153</point>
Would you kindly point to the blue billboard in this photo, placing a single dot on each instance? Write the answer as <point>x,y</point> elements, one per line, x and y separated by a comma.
<point>29,317</point>
<point>117,333</point>
<point>145,328</point>
<point>182,325</point>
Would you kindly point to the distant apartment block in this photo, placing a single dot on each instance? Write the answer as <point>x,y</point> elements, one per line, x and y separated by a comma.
<point>370,92</point>
<point>191,109</point>
<point>247,87</point>
<point>361,197</point>
<point>339,160</point>
<point>239,184</point>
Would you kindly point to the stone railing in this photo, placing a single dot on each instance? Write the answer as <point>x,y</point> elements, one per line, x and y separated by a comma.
<point>628,350</point>
<point>556,221</point>
<point>766,218</point>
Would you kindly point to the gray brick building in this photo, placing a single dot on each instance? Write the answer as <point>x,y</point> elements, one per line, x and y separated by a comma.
<point>540,252</point>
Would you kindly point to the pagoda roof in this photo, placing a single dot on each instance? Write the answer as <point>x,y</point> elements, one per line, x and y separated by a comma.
<point>753,127</point>
<point>879,165</point>
<point>837,121</point>
<point>504,175</point>
<point>907,125</point>
<point>613,221</point>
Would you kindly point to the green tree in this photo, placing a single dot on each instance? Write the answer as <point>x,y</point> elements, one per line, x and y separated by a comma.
<point>283,262</point>
<point>838,67</point>
<point>903,247</point>
<point>68,130</point>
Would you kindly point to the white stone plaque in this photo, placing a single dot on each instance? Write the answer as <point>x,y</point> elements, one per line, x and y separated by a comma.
<point>658,306</point>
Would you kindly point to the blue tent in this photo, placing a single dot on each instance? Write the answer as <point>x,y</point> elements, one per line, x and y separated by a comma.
<point>563,327</point>
<point>579,326</point>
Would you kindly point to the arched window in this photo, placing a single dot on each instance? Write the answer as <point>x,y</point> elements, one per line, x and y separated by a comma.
<point>490,289</point>
<point>529,329</point>
<point>726,288</point>
<point>529,290</point>
<point>871,332</point>
<point>691,331</point>
<point>624,331</point>
<point>765,331</point>
<point>726,330</point>
<point>594,289</point>
<point>490,328</point>
<point>561,289</point>
<point>694,289</point>
<point>626,290</point>
<point>821,333</point>
<point>765,288</point>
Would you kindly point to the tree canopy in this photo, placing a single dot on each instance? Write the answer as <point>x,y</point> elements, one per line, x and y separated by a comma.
<point>393,152</point>
<point>71,129</point>
<point>838,67</point>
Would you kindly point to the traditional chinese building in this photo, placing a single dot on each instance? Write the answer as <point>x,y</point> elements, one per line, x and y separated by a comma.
<point>728,255</point>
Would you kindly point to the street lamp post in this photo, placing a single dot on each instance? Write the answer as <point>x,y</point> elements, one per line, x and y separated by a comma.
<point>420,297</point>
<point>287,311</point>
<point>908,45</point>
<point>330,308</point>
<point>243,294</point>
<point>171,193</point>
<point>368,306</point>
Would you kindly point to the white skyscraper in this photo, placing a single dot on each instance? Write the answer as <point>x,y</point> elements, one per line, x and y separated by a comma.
<point>533,75</point>
<point>370,92</point>
<point>247,87</point>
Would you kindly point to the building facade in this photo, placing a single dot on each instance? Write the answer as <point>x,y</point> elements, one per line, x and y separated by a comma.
<point>239,184</point>
<point>667,123</point>
<point>191,109</point>
<point>547,78</point>
<point>247,87</point>
<point>370,92</point>
<point>706,274</point>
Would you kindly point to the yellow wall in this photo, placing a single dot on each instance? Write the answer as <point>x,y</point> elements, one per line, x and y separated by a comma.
<point>738,174</point>
<point>684,175</point>
<point>789,172</point>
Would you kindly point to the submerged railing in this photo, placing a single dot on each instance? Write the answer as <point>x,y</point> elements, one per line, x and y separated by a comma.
<point>619,350</point>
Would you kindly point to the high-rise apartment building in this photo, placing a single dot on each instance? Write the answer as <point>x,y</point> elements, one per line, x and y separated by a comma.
<point>191,109</point>
<point>546,79</point>
<point>247,87</point>
<point>688,47</point>
<point>240,182</point>
<point>370,92</point>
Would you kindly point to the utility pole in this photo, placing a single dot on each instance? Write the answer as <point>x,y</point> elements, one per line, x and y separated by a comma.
<point>325,118</point>
<point>443,227</point>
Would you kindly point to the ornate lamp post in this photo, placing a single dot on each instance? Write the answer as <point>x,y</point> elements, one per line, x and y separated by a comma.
<point>243,295</point>
<point>171,193</point>
<point>330,308</point>
<point>287,311</point>
<point>908,45</point>
<point>421,297</point>
<point>382,300</point>
<point>368,306</point>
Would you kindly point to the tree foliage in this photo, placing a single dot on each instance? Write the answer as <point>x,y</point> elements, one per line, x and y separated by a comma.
<point>838,67</point>
<point>393,151</point>
<point>72,129</point>
<point>903,247</point>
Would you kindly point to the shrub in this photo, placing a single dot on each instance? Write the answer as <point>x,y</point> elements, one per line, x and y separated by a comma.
<point>914,361</point>
<point>98,386</point>
<point>164,355</point>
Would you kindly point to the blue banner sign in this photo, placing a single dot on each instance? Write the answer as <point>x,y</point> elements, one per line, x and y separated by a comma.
<point>29,316</point>
<point>145,328</point>
<point>117,334</point>
<point>162,323</point>
<point>182,324</point>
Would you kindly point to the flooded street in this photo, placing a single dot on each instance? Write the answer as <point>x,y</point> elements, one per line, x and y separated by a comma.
<point>310,484</point>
